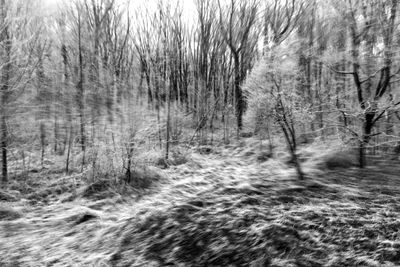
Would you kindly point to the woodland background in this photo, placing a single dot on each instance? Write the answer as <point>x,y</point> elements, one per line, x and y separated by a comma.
<point>200,133</point>
<point>94,75</point>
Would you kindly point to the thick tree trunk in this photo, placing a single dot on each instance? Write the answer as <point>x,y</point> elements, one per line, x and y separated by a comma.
<point>366,136</point>
<point>361,154</point>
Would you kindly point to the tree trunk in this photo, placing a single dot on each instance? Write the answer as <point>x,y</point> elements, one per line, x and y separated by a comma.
<point>290,140</point>
<point>5,79</point>
<point>168,124</point>
<point>299,170</point>
<point>70,141</point>
<point>361,154</point>
<point>43,142</point>
<point>80,93</point>
<point>56,132</point>
<point>366,136</point>
<point>238,95</point>
<point>4,137</point>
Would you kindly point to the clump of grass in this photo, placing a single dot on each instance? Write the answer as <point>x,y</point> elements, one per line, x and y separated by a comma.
<point>143,177</point>
<point>205,150</point>
<point>50,191</point>
<point>333,157</point>
<point>8,213</point>
<point>264,156</point>
<point>139,178</point>
<point>246,134</point>
<point>82,216</point>
<point>338,160</point>
<point>171,238</point>
<point>178,158</point>
<point>5,196</point>
<point>162,163</point>
<point>99,189</point>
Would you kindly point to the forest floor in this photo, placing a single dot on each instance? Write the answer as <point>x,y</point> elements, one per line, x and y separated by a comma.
<point>226,206</point>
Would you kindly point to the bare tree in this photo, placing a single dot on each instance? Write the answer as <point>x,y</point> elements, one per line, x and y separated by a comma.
<point>237,22</point>
<point>43,99</point>
<point>5,39</point>
<point>273,96</point>
<point>96,11</point>
<point>18,39</point>
<point>368,21</point>
<point>78,25</point>
<point>280,19</point>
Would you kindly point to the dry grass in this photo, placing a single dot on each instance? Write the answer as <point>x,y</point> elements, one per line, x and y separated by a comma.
<point>322,223</point>
<point>221,209</point>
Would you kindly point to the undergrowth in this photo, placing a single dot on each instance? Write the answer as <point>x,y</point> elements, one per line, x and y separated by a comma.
<point>222,207</point>
<point>338,219</point>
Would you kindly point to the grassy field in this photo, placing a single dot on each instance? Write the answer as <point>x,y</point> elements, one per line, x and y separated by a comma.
<point>226,206</point>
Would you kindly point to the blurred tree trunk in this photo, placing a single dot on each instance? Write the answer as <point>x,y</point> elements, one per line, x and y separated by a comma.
<point>285,120</point>
<point>97,12</point>
<point>80,89</point>
<point>67,97</point>
<point>43,102</point>
<point>167,141</point>
<point>340,80</point>
<point>5,39</point>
